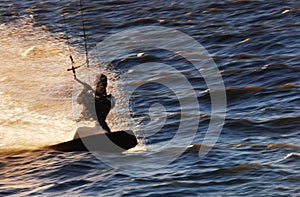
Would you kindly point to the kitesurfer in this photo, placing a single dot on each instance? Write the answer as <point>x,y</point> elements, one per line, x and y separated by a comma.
<point>103,102</point>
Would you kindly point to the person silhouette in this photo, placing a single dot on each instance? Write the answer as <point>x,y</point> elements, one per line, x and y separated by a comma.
<point>103,102</point>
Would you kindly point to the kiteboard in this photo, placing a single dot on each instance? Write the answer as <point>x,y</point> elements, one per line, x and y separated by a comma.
<point>117,141</point>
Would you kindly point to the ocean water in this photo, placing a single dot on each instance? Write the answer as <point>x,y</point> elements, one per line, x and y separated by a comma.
<point>255,46</point>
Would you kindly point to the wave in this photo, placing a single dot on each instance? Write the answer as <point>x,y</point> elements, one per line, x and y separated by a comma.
<point>292,155</point>
<point>140,21</point>
<point>250,88</point>
<point>270,146</point>
<point>264,124</point>
<point>195,147</point>
<point>242,167</point>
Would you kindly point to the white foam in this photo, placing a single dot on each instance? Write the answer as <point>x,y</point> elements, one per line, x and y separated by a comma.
<point>35,87</point>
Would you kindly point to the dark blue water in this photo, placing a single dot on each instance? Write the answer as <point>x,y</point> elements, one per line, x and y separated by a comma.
<point>255,45</point>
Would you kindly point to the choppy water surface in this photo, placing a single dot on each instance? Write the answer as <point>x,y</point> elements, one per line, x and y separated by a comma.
<point>256,47</point>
